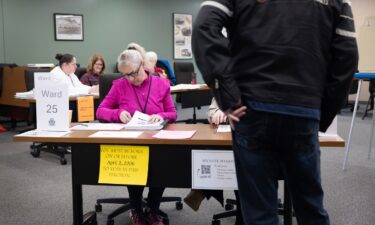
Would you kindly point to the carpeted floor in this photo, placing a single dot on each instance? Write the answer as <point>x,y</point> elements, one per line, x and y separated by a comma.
<point>38,190</point>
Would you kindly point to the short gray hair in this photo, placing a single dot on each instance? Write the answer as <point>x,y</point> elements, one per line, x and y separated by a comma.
<point>150,57</point>
<point>137,47</point>
<point>129,58</point>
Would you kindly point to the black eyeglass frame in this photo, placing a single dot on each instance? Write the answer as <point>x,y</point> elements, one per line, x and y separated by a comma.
<point>134,73</point>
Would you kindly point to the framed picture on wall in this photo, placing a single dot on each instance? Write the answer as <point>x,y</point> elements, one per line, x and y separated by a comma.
<point>68,27</point>
<point>182,31</point>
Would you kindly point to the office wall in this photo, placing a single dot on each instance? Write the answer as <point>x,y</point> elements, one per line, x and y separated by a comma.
<point>109,25</point>
<point>361,10</point>
<point>1,34</point>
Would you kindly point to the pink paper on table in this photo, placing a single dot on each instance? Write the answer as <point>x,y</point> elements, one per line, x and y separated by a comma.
<point>174,134</point>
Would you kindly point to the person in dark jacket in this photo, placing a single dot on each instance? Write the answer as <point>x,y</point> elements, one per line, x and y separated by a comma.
<point>280,76</point>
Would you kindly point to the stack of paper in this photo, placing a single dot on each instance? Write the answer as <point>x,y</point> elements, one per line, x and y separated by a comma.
<point>49,65</point>
<point>187,87</point>
<point>75,94</point>
<point>25,95</point>
<point>141,121</point>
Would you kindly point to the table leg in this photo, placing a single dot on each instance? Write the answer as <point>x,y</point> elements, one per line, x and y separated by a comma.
<point>288,210</point>
<point>372,132</point>
<point>77,204</point>
<point>352,125</point>
<point>76,190</point>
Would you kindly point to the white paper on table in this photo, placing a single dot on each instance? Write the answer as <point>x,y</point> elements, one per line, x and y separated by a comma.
<point>25,95</point>
<point>41,133</point>
<point>140,121</point>
<point>75,94</point>
<point>98,126</point>
<point>187,87</point>
<point>116,134</point>
<point>331,131</point>
<point>223,129</point>
<point>174,134</point>
<point>213,169</point>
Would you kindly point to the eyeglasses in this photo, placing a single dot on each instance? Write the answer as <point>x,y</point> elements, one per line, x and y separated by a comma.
<point>134,73</point>
<point>98,64</point>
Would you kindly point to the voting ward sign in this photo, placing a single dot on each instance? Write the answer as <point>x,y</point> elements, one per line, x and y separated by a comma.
<point>52,103</point>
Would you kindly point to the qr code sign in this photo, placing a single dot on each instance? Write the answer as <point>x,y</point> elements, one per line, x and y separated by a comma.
<point>206,169</point>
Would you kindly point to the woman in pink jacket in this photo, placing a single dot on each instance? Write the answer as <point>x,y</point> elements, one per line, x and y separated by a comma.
<point>138,91</point>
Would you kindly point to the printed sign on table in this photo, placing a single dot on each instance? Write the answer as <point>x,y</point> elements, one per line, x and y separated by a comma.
<point>123,164</point>
<point>213,170</point>
<point>52,103</point>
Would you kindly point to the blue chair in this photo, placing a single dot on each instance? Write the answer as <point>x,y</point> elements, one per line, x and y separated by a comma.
<point>164,64</point>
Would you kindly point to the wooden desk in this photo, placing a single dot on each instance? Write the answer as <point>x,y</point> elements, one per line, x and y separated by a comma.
<point>169,161</point>
<point>13,81</point>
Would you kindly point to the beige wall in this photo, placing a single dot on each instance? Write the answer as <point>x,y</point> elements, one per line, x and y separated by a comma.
<point>361,10</point>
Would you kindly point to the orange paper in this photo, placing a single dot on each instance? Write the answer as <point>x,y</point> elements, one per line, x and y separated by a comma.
<point>85,108</point>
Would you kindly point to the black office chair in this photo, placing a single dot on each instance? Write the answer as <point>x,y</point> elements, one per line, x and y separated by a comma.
<point>2,65</point>
<point>105,84</point>
<point>192,99</point>
<point>56,149</point>
<point>80,71</point>
<point>115,68</point>
<point>370,102</point>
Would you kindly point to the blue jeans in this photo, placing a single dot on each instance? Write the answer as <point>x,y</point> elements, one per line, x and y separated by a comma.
<point>268,146</point>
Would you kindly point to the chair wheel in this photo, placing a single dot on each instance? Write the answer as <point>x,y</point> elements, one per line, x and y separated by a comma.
<point>63,161</point>
<point>90,219</point>
<point>229,207</point>
<point>179,205</point>
<point>215,222</point>
<point>35,152</point>
<point>110,222</point>
<point>98,207</point>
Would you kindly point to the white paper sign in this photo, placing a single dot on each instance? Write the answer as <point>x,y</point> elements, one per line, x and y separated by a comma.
<point>52,103</point>
<point>213,170</point>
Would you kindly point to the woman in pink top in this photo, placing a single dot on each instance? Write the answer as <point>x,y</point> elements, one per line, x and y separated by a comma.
<point>138,91</point>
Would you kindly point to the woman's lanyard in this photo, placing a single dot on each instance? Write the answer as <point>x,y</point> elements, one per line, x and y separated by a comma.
<point>148,95</point>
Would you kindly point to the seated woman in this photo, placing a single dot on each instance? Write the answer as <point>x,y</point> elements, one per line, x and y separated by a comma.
<point>150,63</point>
<point>138,91</point>
<point>65,74</point>
<point>95,67</point>
<point>195,197</point>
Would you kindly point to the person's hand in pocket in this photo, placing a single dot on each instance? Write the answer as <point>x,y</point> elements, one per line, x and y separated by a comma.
<point>235,115</point>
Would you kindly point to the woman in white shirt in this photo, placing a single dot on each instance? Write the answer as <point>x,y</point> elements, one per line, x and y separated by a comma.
<point>65,74</point>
